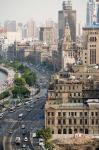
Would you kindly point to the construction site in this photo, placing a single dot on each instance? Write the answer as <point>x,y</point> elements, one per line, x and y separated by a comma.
<point>77,142</point>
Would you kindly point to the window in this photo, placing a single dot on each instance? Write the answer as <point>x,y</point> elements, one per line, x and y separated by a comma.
<point>72,113</point>
<point>86,113</point>
<point>48,113</point>
<point>70,131</point>
<point>64,113</point>
<point>81,113</point>
<point>64,131</point>
<point>96,121</point>
<point>52,131</point>
<point>60,87</point>
<point>86,121</point>
<point>70,121</point>
<point>92,113</point>
<point>48,121</point>
<point>81,121</point>
<point>59,113</point>
<point>59,121</point>
<point>96,113</point>
<point>75,113</point>
<point>78,94</point>
<point>92,121</point>
<point>64,121</point>
<point>92,56</point>
<point>53,113</point>
<point>75,130</point>
<point>59,131</point>
<point>56,94</point>
<point>75,121</point>
<point>53,121</point>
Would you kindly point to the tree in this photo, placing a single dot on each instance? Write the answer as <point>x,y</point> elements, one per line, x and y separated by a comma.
<point>30,78</point>
<point>4,94</point>
<point>20,91</point>
<point>49,145</point>
<point>44,133</point>
<point>20,81</point>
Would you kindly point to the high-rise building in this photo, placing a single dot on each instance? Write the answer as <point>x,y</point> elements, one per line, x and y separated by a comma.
<point>10,26</point>
<point>67,14</point>
<point>90,12</point>
<point>31,29</point>
<point>97,7</point>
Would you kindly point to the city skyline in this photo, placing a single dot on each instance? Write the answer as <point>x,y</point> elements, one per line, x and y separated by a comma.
<point>25,10</point>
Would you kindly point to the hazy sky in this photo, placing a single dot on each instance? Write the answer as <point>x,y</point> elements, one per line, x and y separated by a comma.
<point>39,10</point>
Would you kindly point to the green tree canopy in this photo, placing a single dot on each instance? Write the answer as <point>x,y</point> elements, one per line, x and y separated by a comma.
<point>20,91</point>
<point>44,133</point>
<point>20,81</point>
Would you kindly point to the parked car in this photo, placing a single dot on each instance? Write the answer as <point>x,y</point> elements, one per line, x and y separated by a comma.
<point>17,140</point>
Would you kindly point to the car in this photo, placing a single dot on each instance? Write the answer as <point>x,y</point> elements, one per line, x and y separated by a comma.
<point>20,116</point>
<point>25,139</point>
<point>1,115</point>
<point>28,110</point>
<point>24,146</point>
<point>18,105</point>
<point>10,131</point>
<point>17,140</point>
<point>12,109</point>
<point>31,106</point>
<point>23,126</point>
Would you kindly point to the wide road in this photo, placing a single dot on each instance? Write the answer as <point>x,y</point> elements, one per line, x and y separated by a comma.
<point>33,119</point>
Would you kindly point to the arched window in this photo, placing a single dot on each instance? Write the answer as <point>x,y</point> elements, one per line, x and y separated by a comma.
<point>70,131</point>
<point>59,131</point>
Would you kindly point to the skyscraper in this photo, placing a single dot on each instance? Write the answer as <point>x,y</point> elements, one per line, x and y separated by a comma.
<point>10,26</point>
<point>90,12</point>
<point>67,14</point>
<point>97,7</point>
<point>31,28</point>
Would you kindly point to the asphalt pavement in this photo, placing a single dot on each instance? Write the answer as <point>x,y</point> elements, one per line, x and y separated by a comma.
<point>33,119</point>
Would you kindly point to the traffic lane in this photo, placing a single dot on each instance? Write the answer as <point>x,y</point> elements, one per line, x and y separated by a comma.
<point>19,133</point>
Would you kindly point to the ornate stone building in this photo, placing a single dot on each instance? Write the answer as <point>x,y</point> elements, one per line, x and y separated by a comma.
<point>73,102</point>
